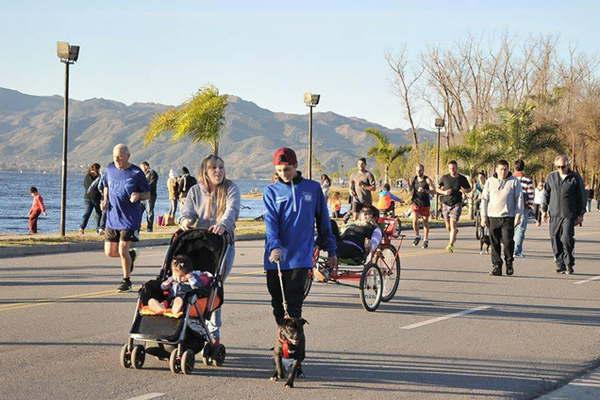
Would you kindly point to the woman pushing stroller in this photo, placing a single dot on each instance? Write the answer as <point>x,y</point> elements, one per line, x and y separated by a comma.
<point>213,204</point>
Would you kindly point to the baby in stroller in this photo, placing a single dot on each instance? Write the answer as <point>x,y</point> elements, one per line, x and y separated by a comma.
<point>175,287</point>
<point>190,282</point>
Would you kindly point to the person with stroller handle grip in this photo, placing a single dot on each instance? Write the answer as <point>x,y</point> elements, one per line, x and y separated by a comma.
<point>213,204</point>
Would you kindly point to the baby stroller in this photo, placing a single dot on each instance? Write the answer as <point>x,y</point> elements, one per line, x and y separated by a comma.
<point>180,339</point>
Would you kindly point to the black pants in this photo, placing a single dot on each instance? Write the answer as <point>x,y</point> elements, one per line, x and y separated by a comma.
<point>293,285</point>
<point>502,233</point>
<point>150,212</point>
<point>562,235</point>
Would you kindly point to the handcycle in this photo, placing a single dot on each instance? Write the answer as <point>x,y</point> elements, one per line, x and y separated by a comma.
<point>378,273</point>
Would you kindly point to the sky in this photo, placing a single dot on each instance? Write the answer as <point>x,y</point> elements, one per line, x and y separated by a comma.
<point>268,52</point>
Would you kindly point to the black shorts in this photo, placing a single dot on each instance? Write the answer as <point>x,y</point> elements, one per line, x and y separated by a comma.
<point>123,235</point>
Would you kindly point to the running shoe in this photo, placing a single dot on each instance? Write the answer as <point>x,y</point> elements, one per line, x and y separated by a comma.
<point>450,248</point>
<point>416,241</point>
<point>570,270</point>
<point>125,285</point>
<point>425,244</point>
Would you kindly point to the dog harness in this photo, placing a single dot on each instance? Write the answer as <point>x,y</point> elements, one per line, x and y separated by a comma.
<point>287,348</point>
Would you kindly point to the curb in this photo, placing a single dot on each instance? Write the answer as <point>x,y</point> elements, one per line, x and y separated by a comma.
<point>42,249</point>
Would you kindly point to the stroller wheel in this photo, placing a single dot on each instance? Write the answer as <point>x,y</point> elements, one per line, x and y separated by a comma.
<point>218,355</point>
<point>205,353</point>
<point>125,357</point>
<point>138,356</point>
<point>187,362</point>
<point>175,362</point>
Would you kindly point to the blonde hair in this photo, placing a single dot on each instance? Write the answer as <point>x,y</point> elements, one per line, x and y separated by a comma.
<point>220,193</point>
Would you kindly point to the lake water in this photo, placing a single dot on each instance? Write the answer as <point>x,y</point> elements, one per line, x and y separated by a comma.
<point>15,200</point>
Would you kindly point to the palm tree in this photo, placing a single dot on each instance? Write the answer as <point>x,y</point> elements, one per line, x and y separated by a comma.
<point>516,136</point>
<point>201,118</point>
<point>476,152</point>
<point>520,136</point>
<point>385,152</point>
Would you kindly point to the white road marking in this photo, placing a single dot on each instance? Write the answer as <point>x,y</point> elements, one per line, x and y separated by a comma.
<point>454,315</point>
<point>596,278</point>
<point>147,396</point>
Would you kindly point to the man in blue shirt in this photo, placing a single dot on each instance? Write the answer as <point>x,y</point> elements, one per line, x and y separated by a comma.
<point>293,205</point>
<point>124,187</point>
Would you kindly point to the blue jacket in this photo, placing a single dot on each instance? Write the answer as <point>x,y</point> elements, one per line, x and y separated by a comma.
<point>292,210</point>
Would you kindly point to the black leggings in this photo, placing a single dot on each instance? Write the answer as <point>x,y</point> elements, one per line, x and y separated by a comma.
<point>293,285</point>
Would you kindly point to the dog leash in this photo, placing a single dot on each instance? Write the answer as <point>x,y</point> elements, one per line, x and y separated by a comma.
<point>285,305</point>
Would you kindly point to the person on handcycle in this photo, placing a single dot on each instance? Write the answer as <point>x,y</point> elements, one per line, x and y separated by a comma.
<point>360,239</point>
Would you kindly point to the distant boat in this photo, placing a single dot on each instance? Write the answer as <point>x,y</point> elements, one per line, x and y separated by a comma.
<point>20,171</point>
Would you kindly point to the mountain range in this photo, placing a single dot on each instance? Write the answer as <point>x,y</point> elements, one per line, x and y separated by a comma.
<point>31,136</point>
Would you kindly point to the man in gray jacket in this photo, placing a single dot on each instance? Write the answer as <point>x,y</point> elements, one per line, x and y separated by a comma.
<point>564,203</point>
<point>501,211</point>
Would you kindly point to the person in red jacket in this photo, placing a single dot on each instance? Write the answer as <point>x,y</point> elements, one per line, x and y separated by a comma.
<point>37,208</point>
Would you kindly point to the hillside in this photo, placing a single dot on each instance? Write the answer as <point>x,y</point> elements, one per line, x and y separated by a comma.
<point>31,135</point>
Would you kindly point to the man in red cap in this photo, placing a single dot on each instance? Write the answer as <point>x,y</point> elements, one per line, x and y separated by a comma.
<point>293,205</point>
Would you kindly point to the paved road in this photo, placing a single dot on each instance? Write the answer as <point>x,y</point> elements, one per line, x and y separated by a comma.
<point>62,326</point>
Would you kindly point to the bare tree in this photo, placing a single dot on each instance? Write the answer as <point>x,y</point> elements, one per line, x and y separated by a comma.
<point>404,82</point>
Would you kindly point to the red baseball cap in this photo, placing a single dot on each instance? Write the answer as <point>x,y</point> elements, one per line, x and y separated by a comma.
<point>285,156</point>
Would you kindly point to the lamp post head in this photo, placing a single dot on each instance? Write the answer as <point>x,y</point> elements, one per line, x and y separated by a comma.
<point>311,100</point>
<point>66,52</point>
<point>439,123</point>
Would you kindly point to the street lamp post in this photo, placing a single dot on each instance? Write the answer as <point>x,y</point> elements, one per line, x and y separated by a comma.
<point>311,100</point>
<point>439,124</point>
<point>67,54</point>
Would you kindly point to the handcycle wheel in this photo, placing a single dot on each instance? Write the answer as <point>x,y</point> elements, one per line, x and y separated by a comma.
<point>371,287</point>
<point>308,283</point>
<point>389,265</point>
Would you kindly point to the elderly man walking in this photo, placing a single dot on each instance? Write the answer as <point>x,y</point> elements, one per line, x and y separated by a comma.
<point>501,211</point>
<point>564,205</point>
<point>125,187</point>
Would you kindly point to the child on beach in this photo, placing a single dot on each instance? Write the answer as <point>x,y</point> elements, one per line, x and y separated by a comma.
<point>182,280</point>
<point>37,208</point>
